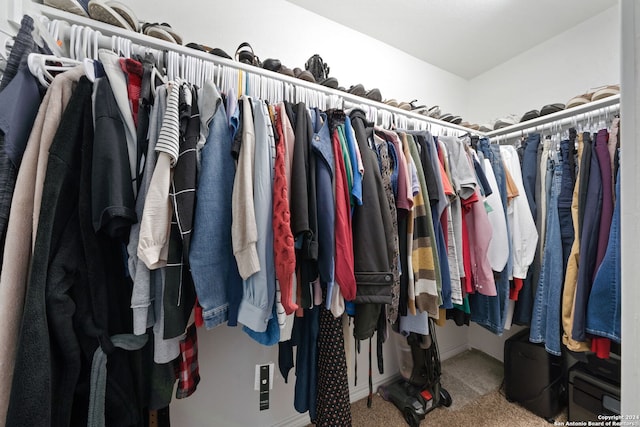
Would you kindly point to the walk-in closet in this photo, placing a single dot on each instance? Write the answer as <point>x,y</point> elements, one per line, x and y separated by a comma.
<point>295,213</point>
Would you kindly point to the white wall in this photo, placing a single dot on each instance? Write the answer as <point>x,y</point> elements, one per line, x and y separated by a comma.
<point>279,29</point>
<point>583,57</point>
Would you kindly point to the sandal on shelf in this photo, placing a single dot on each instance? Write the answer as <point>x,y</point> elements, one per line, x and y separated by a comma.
<point>244,54</point>
<point>77,7</point>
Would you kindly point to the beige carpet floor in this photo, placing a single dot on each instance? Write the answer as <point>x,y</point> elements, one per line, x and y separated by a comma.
<point>473,379</point>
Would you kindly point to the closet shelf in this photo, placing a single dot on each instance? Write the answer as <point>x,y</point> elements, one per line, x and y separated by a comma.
<point>163,46</point>
<point>567,116</point>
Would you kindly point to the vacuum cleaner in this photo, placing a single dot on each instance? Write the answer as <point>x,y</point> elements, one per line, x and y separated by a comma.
<point>419,390</point>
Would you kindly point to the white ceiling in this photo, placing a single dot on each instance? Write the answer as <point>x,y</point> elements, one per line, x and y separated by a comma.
<point>465,37</point>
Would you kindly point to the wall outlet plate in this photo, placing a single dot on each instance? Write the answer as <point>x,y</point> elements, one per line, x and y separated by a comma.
<point>256,384</point>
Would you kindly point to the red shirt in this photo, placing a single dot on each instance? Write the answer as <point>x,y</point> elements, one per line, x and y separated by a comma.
<point>344,266</point>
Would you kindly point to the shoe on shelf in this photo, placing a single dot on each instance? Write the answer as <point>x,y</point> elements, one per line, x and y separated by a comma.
<point>434,112</point>
<point>551,108</point>
<point>244,54</point>
<point>391,103</point>
<point>530,115</point>
<point>286,71</point>
<point>485,128</point>
<point>446,117</point>
<point>164,32</point>
<point>78,7</point>
<point>606,92</point>
<point>579,100</point>
<point>128,15</point>
<point>456,120</point>
<point>424,110</point>
<point>503,123</point>
<point>212,50</point>
<point>374,95</point>
<point>330,82</point>
<point>272,64</point>
<point>357,90</point>
<point>103,11</point>
<point>304,75</point>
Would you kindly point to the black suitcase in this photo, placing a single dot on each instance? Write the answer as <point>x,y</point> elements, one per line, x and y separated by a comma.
<point>592,396</point>
<point>532,377</point>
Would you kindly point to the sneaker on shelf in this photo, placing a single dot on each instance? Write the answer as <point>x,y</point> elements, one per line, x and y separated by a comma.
<point>530,115</point>
<point>78,7</point>
<point>503,122</point>
<point>606,92</point>
<point>551,108</point>
<point>579,100</point>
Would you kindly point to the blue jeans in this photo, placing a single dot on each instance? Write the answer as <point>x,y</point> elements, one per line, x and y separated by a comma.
<point>603,309</point>
<point>588,246</point>
<point>530,177</point>
<point>530,168</point>
<point>565,199</point>
<point>545,322</point>
<point>490,312</point>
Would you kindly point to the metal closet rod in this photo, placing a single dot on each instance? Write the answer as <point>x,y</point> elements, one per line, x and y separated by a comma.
<point>143,41</point>
<point>564,117</point>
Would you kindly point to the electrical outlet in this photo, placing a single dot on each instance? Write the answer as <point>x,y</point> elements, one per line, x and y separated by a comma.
<point>256,381</point>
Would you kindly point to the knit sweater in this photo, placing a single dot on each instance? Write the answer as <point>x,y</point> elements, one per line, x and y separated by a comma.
<point>283,249</point>
<point>423,255</point>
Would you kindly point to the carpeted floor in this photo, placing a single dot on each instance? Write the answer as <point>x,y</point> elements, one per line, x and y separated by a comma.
<point>473,379</point>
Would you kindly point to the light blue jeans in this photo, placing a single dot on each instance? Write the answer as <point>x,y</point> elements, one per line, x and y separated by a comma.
<point>490,312</point>
<point>545,321</point>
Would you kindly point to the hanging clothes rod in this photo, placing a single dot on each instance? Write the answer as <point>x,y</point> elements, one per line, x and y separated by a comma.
<point>142,43</point>
<point>561,118</point>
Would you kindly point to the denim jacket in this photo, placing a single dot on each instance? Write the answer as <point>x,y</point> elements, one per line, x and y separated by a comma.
<point>213,266</point>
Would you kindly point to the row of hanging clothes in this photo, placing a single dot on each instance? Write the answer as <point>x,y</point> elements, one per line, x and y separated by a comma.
<point>150,197</point>
<point>143,198</point>
<point>571,296</point>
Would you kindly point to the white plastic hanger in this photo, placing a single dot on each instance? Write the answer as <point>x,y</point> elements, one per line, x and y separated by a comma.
<point>42,36</point>
<point>39,68</point>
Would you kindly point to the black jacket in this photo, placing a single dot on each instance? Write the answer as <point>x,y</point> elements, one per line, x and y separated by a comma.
<point>372,238</point>
<point>304,216</point>
<point>77,295</point>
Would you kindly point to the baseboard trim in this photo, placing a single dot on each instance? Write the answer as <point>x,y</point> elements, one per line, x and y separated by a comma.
<point>449,353</point>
